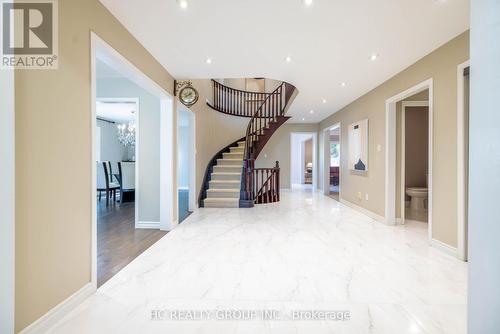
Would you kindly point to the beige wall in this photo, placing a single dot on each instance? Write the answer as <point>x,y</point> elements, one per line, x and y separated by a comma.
<point>278,149</point>
<point>441,66</point>
<point>53,159</point>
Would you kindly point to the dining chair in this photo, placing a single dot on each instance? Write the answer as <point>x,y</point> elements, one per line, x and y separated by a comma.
<point>127,177</point>
<point>104,181</point>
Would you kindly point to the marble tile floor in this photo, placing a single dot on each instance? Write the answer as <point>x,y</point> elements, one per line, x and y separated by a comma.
<point>307,253</point>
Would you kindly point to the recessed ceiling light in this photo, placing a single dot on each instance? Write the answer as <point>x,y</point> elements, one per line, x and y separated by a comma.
<point>374,56</point>
<point>307,2</point>
<point>303,119</point>
<point>311,111</point>
<point>324,101</point>
<point>208,60</point>
<point>343,84</point>
<point>288,59</point>
<point>183,3</point>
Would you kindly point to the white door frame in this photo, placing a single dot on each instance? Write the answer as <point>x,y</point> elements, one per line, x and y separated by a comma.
<point>326,160</point>
<point>192,156</point>
<point>7,200</point>
<point>402,173</point>
<point>315,158</point>
<point>461,195</point>
<point>390,152</point>
<point>167,221</point>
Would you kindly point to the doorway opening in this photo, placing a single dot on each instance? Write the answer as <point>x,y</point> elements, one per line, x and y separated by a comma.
<point>303,160</point>
<point>408,195</point>
<point>413,157</point>
<point>186,162</point>
<point>132,168</point>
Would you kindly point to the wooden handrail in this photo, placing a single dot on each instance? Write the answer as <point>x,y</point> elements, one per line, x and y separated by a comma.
<point>264,184</point>
<point>266,112</point>
<point>234,101</point>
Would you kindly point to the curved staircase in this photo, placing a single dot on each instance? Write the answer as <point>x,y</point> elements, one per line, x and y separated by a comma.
<point>231,179</point>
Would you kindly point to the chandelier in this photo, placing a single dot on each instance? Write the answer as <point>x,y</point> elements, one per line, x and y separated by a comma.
<point>126,134</point>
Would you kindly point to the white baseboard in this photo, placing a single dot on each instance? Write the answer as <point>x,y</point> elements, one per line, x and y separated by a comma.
<point>364,211</point>
<point>51,318</point>
<point>148,225</point>
<point>444,247</point>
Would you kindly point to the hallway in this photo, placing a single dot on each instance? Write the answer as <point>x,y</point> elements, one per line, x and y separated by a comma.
<point>307,252</point>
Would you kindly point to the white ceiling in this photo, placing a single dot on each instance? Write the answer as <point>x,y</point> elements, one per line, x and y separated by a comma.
<point>116,111</point>
<point>330,42</point>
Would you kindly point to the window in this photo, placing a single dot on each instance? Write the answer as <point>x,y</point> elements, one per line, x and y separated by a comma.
<point>334,154</point>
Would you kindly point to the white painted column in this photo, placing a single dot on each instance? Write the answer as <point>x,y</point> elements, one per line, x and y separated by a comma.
<point>7,201</point>
<point>484,169</point>
<point>168,178</point>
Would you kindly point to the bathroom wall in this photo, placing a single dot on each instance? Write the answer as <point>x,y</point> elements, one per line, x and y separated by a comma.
<point>416,146</point>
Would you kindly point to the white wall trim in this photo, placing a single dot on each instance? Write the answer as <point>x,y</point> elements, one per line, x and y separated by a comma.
<point>461,195</point>
<point>147,225</point>
<point>363,211</point>
<point>404,105</point>
<point>390,152</point>
<point>7,200</point>
<point>56,314</point>
<point>445,248</point>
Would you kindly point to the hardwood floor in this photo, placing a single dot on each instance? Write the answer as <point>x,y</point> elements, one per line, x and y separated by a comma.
<point>118,242</point>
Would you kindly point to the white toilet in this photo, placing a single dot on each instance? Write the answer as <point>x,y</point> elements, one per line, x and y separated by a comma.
<point>418,198</point>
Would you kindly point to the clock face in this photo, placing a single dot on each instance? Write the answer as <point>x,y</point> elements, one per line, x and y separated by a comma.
<point>188,96</point>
